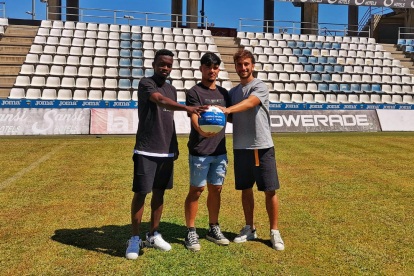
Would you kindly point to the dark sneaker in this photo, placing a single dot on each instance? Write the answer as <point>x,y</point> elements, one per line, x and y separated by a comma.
<point>191,240</point>
<point>214,234</point>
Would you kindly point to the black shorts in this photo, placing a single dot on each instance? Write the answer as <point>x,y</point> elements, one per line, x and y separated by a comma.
<point>258,166</point>
<point>152,173</point>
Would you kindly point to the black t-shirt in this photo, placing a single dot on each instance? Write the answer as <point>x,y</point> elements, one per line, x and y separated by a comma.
<point>156,129</point>
<point>199,145</point>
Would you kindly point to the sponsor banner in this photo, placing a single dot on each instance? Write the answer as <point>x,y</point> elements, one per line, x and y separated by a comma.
<point>400,4</point>
<point>332,106</point>
<point>324,121</point>
<point>23,103</point>
<point>125,121</point>
<point>396,120</point>
<point>36,121</point>
<point>114,121</point>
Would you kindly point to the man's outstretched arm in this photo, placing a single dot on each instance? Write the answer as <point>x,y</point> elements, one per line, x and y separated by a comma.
<point>244,105</point>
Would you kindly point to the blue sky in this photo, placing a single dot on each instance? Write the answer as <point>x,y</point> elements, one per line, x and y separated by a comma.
<point>222,13</point>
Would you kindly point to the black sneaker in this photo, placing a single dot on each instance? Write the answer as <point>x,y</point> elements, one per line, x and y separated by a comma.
<point>191,240</point>
<point>214,234</point>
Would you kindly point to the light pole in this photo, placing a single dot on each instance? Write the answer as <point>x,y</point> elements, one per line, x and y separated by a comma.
<point>202,14</point>
<point>47,7</point>
<point>33,13</point>
<point>129,17</point>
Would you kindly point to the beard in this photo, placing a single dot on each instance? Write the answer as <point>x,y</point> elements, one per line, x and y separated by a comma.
<point>246,77</point>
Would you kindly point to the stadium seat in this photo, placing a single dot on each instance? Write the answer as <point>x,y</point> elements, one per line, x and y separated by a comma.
<point>80,95</point>
<point>333,87</point>
<point>28,69</point>
<point>33,93</point>
<point>387,99</point>
<point>408,99</point>
<point>96,83</point>
<point>111,84</point>
<point>312,87</point>
<point>323,87</point>
<point>53,82</point>
<point>285,98</point>
<point>48,94</point>
<point>301,87</point>
<point>17,93</point>
<point>328,98</point>
<point>135,83</point>
<point>124,84</point>
<point>95,95</point>
<point>124,95</point>
<point>137,63</point>
<point>308,98</point>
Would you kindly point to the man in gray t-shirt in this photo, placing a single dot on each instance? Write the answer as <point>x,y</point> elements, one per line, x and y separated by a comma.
<point>254,154</point>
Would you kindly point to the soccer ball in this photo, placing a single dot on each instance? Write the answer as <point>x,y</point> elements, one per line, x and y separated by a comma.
<point>213,120</point>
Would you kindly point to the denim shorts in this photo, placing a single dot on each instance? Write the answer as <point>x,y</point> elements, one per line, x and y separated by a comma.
<point>207,169</point>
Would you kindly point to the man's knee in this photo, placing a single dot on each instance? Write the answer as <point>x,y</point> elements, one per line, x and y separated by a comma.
<point>138,197</point>
<point>214,189</point>
<point>270,194</point>
<point>195,192</point>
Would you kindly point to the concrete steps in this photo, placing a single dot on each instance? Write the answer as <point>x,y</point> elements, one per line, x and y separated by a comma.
<point>14,50</point>
<point>227,46</point>
<point>4,93</point>
<point>10,70</point>
<point>14,46</point>
<point>405,60</point>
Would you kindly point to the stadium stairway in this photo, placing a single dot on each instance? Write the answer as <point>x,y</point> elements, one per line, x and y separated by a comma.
<point>227,46</point>
<point>397,53</point>
<point>14,46</point>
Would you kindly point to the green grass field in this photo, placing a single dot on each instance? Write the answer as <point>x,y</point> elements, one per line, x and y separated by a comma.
<point>346,208</point>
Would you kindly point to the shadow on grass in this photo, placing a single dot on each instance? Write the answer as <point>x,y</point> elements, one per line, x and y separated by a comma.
<point>111,239</point>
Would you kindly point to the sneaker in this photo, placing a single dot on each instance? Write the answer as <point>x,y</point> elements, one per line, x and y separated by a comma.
<point>276,240</point>
<point>246,234</point>
<point>156,241</point>
<point>191,240</point>
<point>133,248</point>
<point>214,234</point>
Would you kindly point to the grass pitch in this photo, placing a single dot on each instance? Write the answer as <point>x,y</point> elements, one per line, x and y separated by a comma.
<point>346,208</point>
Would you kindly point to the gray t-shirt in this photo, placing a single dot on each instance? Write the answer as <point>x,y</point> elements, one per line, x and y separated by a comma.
<point>251,128</point>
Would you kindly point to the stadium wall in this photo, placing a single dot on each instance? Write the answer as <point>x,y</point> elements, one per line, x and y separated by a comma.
<point>43,117</point>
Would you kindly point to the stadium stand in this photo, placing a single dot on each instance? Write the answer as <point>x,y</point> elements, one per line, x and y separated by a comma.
<point>94,61</point>
<point>338,69</point>
<point>69,60</point>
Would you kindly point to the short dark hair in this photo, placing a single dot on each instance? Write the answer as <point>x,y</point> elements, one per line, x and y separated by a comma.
<point>163,52</point>
<point>244,54</point>
<point>210,59</point>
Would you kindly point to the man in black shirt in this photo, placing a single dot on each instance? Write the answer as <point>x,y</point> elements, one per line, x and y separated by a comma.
<point>208,155</point>
<point>155,150</point>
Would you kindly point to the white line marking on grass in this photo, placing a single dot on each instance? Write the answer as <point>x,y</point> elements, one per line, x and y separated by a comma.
<point>18,175</point>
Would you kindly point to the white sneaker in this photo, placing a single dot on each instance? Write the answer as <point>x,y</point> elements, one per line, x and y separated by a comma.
<point>133,248</point>
<point>156,241</point>
<point>246,234</point>
<point>276,240</point>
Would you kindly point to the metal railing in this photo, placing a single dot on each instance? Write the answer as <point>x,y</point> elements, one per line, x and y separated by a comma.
<point>3,9</point>
<point>367,17</point>
<point>295,27</point>
<point>132,17</point>
<point>405,33</point>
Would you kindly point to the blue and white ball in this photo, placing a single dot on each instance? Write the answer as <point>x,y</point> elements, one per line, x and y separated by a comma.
<point>213,120</point>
